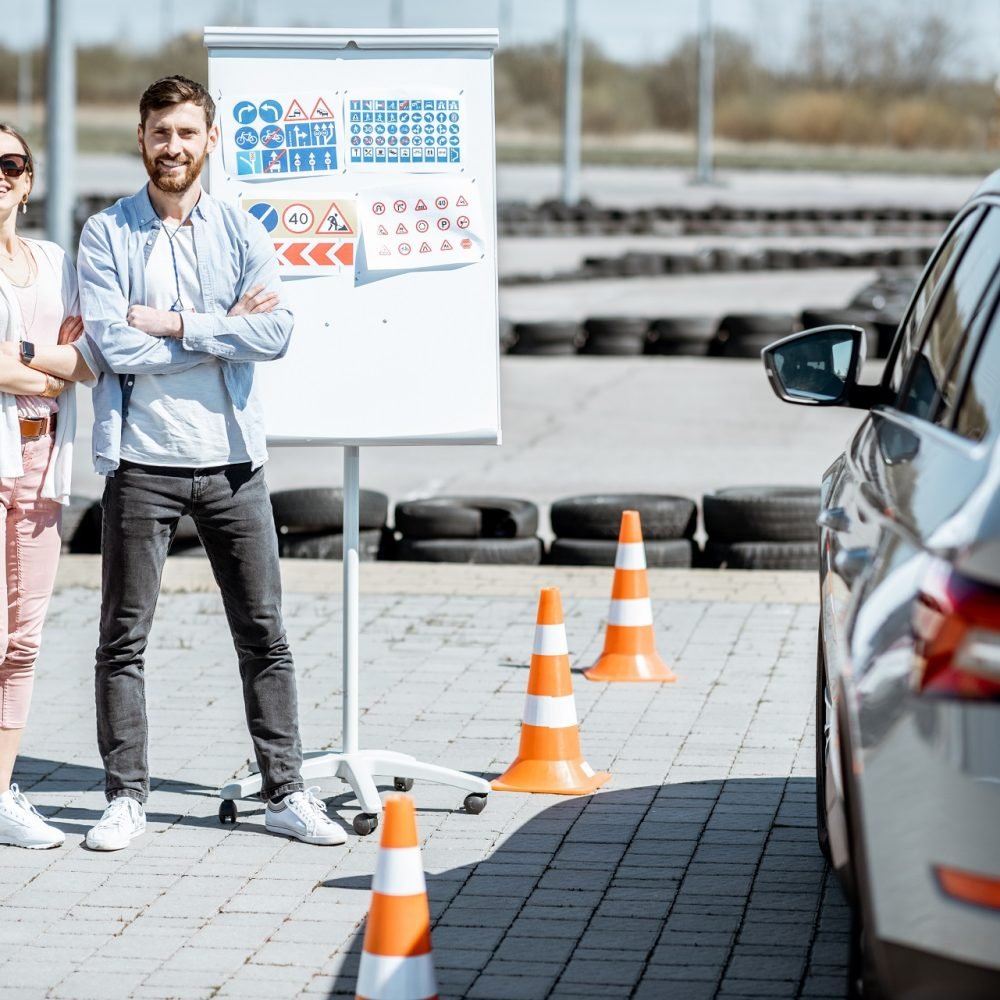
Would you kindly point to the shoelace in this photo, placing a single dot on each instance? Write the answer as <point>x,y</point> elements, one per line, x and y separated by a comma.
<point>19,798</point>
<point>119,812</point>
<point>313,804</point>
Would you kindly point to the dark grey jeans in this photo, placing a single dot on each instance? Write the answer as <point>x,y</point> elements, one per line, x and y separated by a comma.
<point>231,507</point>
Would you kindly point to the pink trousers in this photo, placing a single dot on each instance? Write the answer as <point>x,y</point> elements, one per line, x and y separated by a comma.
<point>29,532</point>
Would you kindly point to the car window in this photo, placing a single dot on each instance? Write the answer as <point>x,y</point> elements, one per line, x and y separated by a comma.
<point>908,341</point>
<point>930,386</point>
<point>978,413</point>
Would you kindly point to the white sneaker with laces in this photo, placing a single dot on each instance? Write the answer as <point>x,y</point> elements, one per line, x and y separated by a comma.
<point>123,820</point>
<point>302,815</point>
<point>22,825</point>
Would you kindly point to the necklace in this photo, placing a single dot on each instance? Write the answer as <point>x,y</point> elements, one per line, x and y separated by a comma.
<point>178,304</point>
<point>12,274</point>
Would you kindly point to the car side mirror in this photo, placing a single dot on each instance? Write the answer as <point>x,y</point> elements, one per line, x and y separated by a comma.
<point>817,367</point>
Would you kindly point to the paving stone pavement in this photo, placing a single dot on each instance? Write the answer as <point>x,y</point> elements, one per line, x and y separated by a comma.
<point>693,873</point>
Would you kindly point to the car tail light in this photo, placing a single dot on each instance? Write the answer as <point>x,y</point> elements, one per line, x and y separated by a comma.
<point>956,625</point>
<point>969,887</point>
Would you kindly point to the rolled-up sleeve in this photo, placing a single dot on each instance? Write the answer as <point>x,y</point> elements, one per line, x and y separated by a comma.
<point>104,305</point>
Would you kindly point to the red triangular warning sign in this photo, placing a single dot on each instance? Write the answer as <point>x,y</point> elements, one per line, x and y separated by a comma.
<point>382,231</point>
<point>425,248</point>
<point>384,252</point>
<point>461,203</point>
<point>401,229</point>
<point>421,206</point>
<point>334,223</point>
<point>446,246</point>
<point>295,112</point>
<point>321,112</point>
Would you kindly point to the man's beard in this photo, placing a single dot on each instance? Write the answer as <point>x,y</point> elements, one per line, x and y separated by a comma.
<point>173,183</point>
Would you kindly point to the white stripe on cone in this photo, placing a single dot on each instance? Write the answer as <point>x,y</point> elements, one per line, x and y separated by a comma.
<point>630,555</point>
<point>633,612</point>
<point>550,640</point>
<point>396,977</point>
<point>399,872</point>
<point>553,713</point>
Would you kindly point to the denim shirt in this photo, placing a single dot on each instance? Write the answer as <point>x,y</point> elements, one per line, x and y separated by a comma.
<point>234,255</point>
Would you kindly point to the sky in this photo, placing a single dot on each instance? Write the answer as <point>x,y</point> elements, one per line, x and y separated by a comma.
<point>627,30</point>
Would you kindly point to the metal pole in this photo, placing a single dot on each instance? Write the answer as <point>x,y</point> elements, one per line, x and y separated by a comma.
<point>573,101</point>
<point>60,127</point>
<point>352,519</point>
<point>706,99</point>
<point>24,94</point>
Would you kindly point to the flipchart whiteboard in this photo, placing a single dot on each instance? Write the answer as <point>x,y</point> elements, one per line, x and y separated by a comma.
<point>387,348</point>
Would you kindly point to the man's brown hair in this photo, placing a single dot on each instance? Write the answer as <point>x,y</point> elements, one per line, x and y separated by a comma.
<point>171,90</point>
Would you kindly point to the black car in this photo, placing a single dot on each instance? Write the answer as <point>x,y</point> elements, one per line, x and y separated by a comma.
<point>908,664</point>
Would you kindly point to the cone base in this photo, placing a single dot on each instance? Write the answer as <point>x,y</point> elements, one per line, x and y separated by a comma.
<point>550,777</point>
<point>631,667</point>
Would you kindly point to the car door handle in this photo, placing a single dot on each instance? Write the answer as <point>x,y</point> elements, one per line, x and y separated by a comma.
<point>850,562</point>
<point>834,518</point>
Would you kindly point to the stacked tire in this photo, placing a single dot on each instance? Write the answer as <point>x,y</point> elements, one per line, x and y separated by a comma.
<point>464,529</point>
<point>310,523</point>
<point>587,528</point>
<point>762,527</point>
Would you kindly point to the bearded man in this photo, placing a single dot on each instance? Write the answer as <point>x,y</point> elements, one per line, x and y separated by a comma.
<point>181,299</point>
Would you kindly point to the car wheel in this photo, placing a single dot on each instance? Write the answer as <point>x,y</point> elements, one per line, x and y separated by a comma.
<point>823,709</point>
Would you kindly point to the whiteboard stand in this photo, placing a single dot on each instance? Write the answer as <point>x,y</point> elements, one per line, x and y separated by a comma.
<point>355,766</point>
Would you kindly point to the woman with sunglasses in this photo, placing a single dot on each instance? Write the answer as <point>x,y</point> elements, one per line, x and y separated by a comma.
<point>38,322</point>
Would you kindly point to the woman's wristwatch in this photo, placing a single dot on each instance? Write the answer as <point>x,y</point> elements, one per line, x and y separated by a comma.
<point>27,352</point>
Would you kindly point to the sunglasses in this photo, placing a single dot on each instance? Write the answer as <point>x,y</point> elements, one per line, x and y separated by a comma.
<point>13,164</point>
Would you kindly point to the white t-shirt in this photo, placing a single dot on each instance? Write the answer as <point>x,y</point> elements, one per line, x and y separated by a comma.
<point>182,420</point>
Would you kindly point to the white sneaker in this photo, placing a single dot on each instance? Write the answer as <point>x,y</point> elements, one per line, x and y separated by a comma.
<point>22,825</point>
<point>302,815</point>
<point>123,820</point>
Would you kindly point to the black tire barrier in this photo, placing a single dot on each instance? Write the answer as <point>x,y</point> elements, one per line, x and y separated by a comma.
<point>466,517</point>
<point>484,551</point>
<point>880,326</point>
<point>73,514</point>
<point>320,545</point>
<point>662,516</point>
<point>761,514</point>
<point>608,335</point>
<point>506,335</point>
<point>745,335</point>
<point>681,335</point>
<point>547,337</point>
<point>322,510</point>
<point>86,539</point>
<point>763,555</point>
<point>671,553</point>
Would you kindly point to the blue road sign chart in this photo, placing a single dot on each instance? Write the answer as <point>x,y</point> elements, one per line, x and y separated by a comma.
<point>270,136</point>
<point>404,131</point>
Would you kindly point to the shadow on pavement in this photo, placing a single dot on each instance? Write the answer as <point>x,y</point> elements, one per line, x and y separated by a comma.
<point>691,891</point>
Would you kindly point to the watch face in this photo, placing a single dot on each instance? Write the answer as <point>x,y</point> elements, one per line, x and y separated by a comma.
<point>27,351</point>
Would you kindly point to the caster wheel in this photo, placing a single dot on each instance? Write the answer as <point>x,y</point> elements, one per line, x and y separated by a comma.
<point>365,823</point>
<point>227,811</point>
<point>475,804</point>
<point>402,784</point>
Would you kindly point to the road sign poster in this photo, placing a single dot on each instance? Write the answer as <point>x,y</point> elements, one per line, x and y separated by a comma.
<point>313,237</point>
<point>437,222</point>
<point>406,130</point>
<point>280,135</point>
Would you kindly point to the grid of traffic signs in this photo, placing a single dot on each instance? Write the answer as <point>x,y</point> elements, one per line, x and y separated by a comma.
<point>435,225</point>
<point>405,131</point>
<point>309,234</point>
<point>286,135</point>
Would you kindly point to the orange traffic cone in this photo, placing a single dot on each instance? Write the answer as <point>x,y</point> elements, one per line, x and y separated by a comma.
<point>396,959</point>
<point>629,644</point>
<point>549,758</point>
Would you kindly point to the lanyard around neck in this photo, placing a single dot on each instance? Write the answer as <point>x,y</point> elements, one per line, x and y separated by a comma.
<point>178,305</point>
